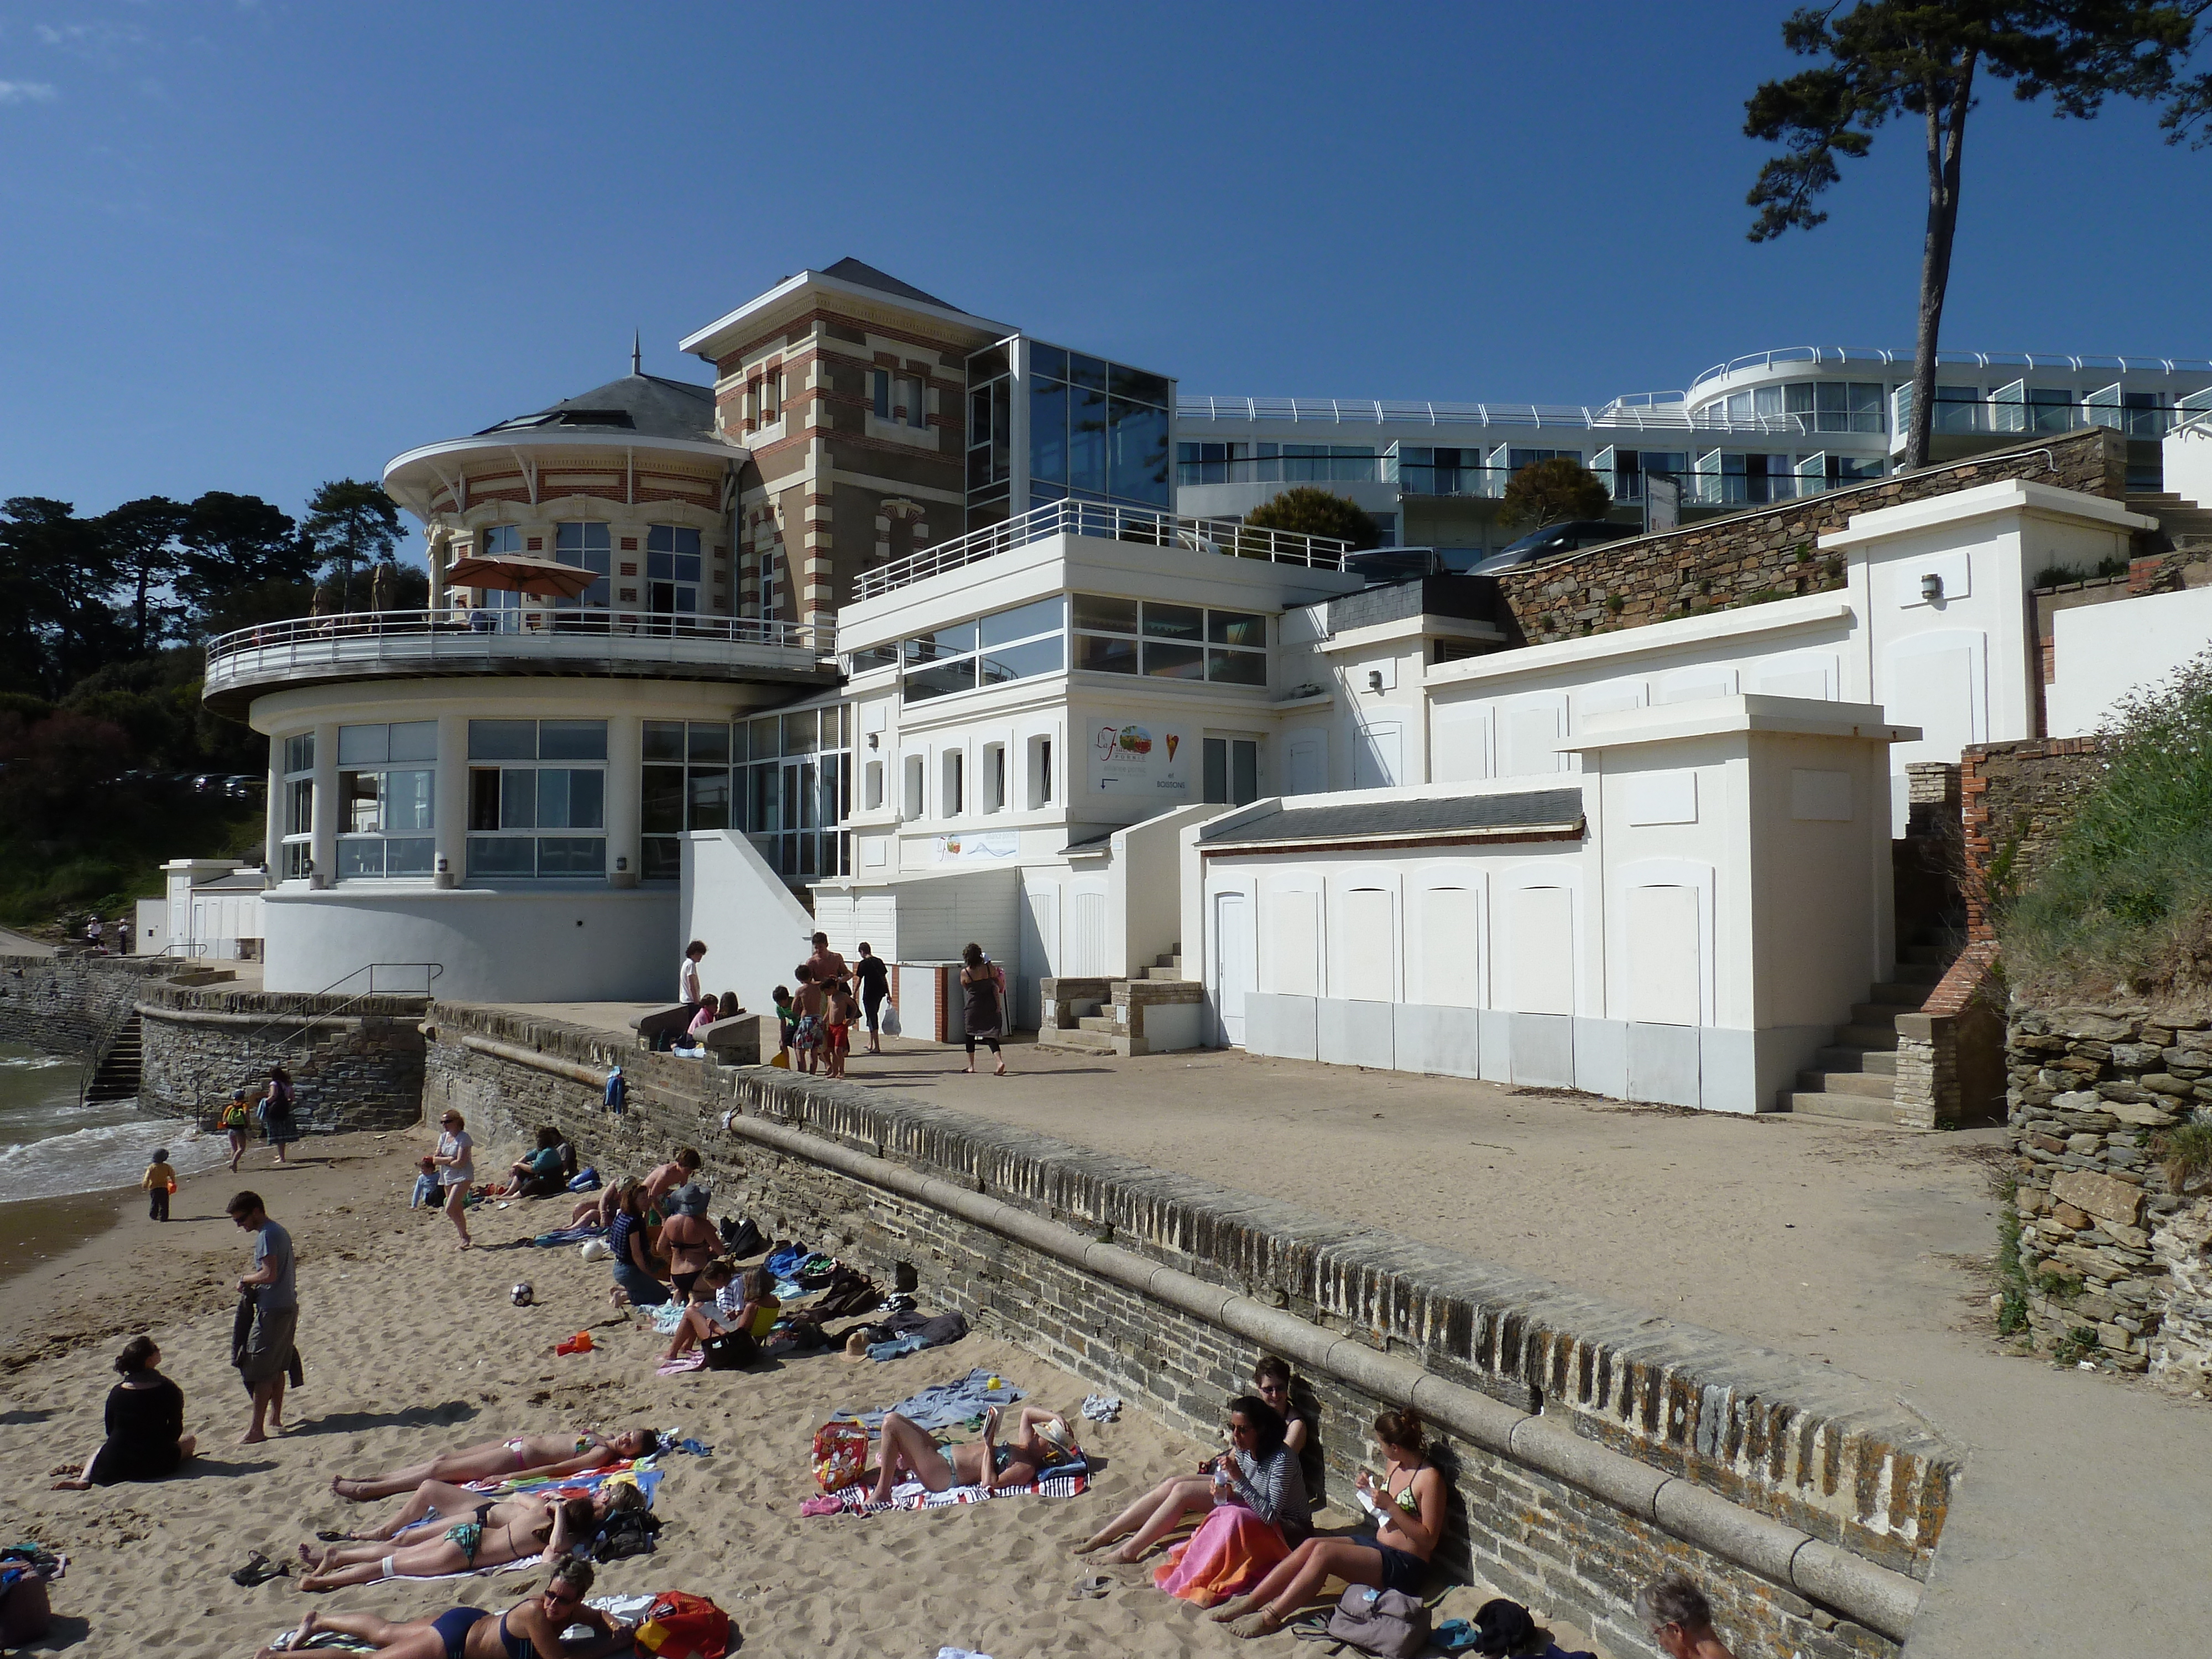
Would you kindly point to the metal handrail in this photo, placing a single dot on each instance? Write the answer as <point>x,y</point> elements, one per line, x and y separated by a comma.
<point>255,1051</point>
<point>1662,413</point>
<point>1113,524</point>
<point>431,633</point>
<point>2030,360</point>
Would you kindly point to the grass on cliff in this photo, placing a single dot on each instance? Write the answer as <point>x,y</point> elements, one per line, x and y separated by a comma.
<point>2125,901</point>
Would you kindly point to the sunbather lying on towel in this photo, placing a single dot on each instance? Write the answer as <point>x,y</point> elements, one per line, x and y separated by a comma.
<point>443,1499</point>
<point>537,1456</point>
<point>528,1630</point>
<point>1040,1440</point>
<point>548,1528</point>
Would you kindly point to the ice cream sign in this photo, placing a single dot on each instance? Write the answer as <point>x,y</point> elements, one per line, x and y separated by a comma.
<point>1132,758</point>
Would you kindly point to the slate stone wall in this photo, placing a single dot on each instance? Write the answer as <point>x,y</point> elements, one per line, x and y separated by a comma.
<point>357,1063</point>
<point>60,1005</point>
<point>1815,1450</point>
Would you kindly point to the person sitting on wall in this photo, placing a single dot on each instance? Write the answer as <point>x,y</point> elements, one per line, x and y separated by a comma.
<point>1408,1507</point>
<point>541,1456</point>
<point>537,1625</point>
<point>145,1422</point>
<point>1680,1619</point>
<point>1040,1440</point>
<point>729,1007</point>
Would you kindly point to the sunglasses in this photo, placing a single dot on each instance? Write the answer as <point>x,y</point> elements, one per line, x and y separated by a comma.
<point>561,1598</point>
<point>1240,1428</point>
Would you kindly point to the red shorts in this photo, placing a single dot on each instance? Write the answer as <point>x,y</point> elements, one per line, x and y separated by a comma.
<point>841,1039</point>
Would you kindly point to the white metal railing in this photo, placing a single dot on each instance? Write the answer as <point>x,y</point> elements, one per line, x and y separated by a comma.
<point>2031,359</point>
<point>1644,412</point>
<point>485,635</point>
<point>1113,524</point>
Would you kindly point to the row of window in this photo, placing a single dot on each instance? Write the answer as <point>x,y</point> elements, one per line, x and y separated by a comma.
<point>1823,406</point>
<point>673,565</point>
<point>1229,774</point>
<point>783,780</point>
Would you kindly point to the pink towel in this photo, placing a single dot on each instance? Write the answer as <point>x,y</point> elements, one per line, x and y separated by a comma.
<point>1230,1551</point>
<point>694,1361</point>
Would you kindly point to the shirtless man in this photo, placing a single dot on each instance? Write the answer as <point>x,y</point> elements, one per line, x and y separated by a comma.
<point>1041,1439</point>
<point>473,1633</point>
<point>825,964</point>
<point>669,1176</point>
<point>688,1239</point>
<point>810,1003</point>
<point>540,1455</point>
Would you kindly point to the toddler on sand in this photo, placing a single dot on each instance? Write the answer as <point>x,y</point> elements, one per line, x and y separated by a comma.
<point>159,1182</point>
<point>426,1186</point>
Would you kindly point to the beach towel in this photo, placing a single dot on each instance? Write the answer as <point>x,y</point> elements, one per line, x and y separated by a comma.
<point>694,1361</point>
<point>615,1606</point>
<point>1230,1551</point>
<point>943,1404</point>
<point>644,1472</point>
<point>575,1234</point>
<point>1067,1482</point>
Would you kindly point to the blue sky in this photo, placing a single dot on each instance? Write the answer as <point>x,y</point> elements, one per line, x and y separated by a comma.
<point>252,246</point>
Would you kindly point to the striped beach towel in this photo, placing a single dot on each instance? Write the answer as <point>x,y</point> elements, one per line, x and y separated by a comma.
<point>1068,1483</point>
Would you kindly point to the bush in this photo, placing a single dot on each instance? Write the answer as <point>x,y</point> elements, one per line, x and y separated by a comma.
<point>2125,898</point>
<point>1546,492</point>
<point>1306,510</point>
<point>2187,1152</point>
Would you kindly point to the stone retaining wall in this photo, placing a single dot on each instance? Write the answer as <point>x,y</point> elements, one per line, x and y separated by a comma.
<point>1623,1443</point>
<point>61,1004</point>
<point>1752,557</point>
<point>2113,1259</point>
<point>359,1068</point>
<point>2014,800</point>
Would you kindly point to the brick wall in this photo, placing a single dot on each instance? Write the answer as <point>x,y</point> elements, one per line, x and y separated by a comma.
<point>1760,1429</point>
<point>1754,558</point>
<point>2015,799</point>
<point>2102,1232</point>
<point>361,1068</point>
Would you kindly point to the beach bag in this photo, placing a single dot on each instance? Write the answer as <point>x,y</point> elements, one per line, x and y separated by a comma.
<point>782,1062</point>
<point>1385,1622</point>
<point>625,1532</point>
<point>234,1116</point>
<point>741,1238</point>
<point>890,1022</point>
<point>841,1455</point>
<point>681,1625</point>
<point>732,1350</point>
<point>586,1180</point>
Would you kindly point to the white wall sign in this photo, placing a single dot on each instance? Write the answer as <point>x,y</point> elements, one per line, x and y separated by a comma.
<point>978,846</point>
<point>1140,757</point>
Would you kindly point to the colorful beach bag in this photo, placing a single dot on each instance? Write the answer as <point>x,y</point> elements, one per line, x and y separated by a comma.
<point>841,1455</point>
<point>681,1625</point>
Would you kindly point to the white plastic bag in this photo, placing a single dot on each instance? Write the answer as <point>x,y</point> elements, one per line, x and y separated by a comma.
<point>891,1019</point>
<point>597,1250</point>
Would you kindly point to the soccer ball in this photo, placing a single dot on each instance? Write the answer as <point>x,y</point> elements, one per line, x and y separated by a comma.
<point>521,1296</point>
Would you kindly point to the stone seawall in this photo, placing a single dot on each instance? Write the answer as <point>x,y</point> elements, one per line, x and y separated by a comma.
<point>2113,1259</point>
<point>1589,1446</point>
<point>61,1004</point>
<point>356,1062</point>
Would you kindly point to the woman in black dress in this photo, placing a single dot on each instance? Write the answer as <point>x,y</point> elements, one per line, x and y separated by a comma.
<point>984,985</point>
<point>146,1438</point>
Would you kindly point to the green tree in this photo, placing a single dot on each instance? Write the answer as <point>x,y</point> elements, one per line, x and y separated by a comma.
<point>1886,59</point>
<point>1546,492</point>
<point>56,573</point>
<point>1306,510</point>
<point>233,542</point>
<point>145,538</point>
<point>350,522</point>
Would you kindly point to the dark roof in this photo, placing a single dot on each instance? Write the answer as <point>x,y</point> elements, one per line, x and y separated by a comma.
<point>866,276</point>
<point>250,880</point>
<point>1491,816</point>
<point>643,404</point>
<point>1469,598</point>
<point>1087,847</point>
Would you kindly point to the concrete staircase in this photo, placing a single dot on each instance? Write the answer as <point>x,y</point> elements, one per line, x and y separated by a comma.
<point>1118,1025</point>
<point>1856,1075</point>
<point>115,1070</point>
<point>2185,523</point>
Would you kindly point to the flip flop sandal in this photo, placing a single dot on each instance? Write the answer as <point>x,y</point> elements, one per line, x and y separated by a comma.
<point>259,1569</point>
<point>331,1535</point>
<point>1091,1587</point>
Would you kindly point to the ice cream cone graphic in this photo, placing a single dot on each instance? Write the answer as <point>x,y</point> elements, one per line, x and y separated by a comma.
<point>1172,741</point>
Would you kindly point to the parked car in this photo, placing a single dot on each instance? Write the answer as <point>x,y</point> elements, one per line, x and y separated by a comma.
<point>1568,536</point>
<point>1384,565</point>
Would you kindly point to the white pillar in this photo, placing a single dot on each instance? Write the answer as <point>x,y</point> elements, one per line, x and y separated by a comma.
<point>272,833</point>
<point>453,800</point>
<point>323,846</point>
<point>625,805</point>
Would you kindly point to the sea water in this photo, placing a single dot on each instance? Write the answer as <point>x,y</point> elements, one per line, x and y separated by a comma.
<point>56,1153</point>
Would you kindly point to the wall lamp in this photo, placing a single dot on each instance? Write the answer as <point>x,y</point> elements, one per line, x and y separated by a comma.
<point>1374,679</point>
<point>875,740</point>
<point>1931,587</point>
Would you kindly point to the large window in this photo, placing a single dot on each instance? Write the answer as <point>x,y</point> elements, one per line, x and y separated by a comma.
<point>502,541</point>
<point>901,399</point>
<point>386,792</point>
<point>587,547</point>
<point>1232,770</point>
<point>1097,429</point>
<point>672,569</point>
<point>1820,405</point>
<point>297,822</point>
<point>783,780</point>
<point>1169,641</point>
<point>1276,462</point>
<point>1008,645</point>
<point>538,799</point>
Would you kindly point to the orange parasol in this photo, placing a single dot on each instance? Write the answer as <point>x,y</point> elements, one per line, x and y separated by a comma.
<point>539,576</point>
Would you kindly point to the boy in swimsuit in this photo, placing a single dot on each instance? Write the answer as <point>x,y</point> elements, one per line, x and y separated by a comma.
<point>542,1454</point>
<point>528,1630</point>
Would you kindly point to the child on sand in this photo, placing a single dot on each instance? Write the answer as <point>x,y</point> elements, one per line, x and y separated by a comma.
<point>159,1180</point>
<point>426,1186</point>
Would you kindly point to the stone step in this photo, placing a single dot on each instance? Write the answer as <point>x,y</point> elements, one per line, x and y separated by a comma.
<point>1908,994</point>
<point>1880,1014</point>
<point>1065,1042</point>
<point>1866,1037</point>
<point>1871,1084</point>
<point>1851,1109</point>
<point>1875,1062</point>
<point>1917,972</point>
<point>1101,1022</point>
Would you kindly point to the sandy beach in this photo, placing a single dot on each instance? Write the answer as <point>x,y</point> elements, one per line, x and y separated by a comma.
<point>411,1347</point>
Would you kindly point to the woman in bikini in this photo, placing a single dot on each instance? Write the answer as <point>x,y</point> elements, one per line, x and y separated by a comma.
<point>443,1497</point>
<point>528,1630</point>
<point>548,1528</point>
<point>1041,1442</point>
<point>540,1455</point>
<point>1408,1507</point>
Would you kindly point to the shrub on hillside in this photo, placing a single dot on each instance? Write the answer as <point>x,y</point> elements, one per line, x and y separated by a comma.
<point>1306,510</point>
<point>2125,899</point>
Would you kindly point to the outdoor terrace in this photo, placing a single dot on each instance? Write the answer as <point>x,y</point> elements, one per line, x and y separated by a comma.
<point>377,644</point>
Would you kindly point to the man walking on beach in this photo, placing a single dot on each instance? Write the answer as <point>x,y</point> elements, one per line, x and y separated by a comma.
<point>268,1316</point>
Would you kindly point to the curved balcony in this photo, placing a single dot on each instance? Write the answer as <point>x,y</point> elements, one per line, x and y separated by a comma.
<point>422,644</point>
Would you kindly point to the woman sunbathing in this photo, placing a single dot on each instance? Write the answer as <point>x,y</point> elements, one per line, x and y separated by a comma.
<point>548,1528</point>
<point>442,1497</point>
<point>538,1456</point>
<point>528,1630</point>
<point>1041,1441</point>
